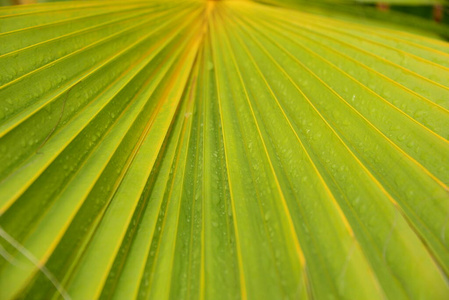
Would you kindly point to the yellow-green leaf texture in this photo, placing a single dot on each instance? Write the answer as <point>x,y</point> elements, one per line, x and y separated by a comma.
<point>220,150</point>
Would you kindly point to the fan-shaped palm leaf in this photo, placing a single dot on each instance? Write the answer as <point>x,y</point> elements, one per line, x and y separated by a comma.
<point>220,149</point>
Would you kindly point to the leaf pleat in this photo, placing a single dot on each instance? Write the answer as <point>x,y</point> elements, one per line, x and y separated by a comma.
<point>220,150</point>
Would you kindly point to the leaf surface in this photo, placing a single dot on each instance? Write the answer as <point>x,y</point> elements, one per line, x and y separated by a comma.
<point>220,149</point>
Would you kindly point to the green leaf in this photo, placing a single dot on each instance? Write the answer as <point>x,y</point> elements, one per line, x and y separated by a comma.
<point>393,2</point>
<point>220,149</point>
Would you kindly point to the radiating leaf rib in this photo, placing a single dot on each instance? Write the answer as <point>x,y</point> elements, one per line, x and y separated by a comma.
<point>321,50</point>
<point>231,164</point>
<point>410,62</point>
<point>369,34</point>
<point>62,44</point>
<point>414,81</point>
<point>287,148</point>
<point>23,21</point>
<point>165,256</point>
<point>133,268</point>
<point>188,227</point>
<point>285,213</point>
<point>402,23</point>
<point>442,194</point>
<point>406,48</point>
<point>116,165</point>
<point>429,43</point>
<point>144,239</point>
<point>146,154</point>
<point>216,61</point>
<point>19,10</point>
<point>218,210</point>
<point>57,213</point>
<point>443,143</point>
<point>252,47</point>
<point>17,175</point>
<point>119,40</point>
<point>84,76</point>
<point>19,40</point>
<point>220,149</point>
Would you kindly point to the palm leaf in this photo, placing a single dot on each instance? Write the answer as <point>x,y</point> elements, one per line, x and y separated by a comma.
<point>220,149</point>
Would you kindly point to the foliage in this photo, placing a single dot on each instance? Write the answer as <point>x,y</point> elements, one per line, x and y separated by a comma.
<point>221,149</point>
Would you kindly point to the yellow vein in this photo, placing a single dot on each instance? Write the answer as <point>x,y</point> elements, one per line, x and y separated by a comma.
<point>59,10</point>
<point>443,185</point>
<point>313,30</point>
<point>197,105</point>
<point>289,28</point>
<point>237,238</point>
<point>74,33</point>
<point>170,19</point>
<point>55,242</point>
<point>430,102</point>
<point>344,219</point>
<point>59,237</point>
<point>363,166</point>
<point>293,21</point>
<point>308,49</point>
<point>187,123</point>
<point>316,110</point>
<point>71,21</point>
<point>360,223</point>
<point>319,21</point>
<point>11,124</point>
<point>141,141</point>
<point>62,233</point>
<point>154,53</point>
<point>303,261</point>
<point>261,206</point>
<point>194,45</point>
